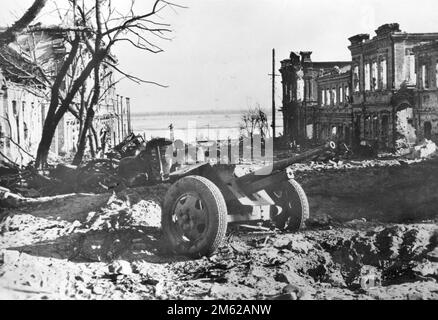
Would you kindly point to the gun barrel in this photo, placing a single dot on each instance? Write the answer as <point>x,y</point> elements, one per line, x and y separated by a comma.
<point>283,164</point>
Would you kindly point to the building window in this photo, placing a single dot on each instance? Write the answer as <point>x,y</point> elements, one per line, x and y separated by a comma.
<point>427,130</point>
<point>334,131</point>
<point>310,89</point>
<point>367,77</point>
<point>375,129</point>
<point>328,97</point>
<point>385,127</point>
<point>356,81</point>
<point>436,74</point>
<point>15,111</point>
<point>424,76</point>
<point>383,77</point>
<point>341,95</point>
<point>347,93</point>
<point>26,131</point>
<point>335,98</point>
<point>14,108</point>
<point>322,97</point>
<point>409,67</point>
<point>374,77</point>
<point>367,126</point>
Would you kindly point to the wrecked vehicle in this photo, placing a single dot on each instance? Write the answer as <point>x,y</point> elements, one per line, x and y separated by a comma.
<point>149,166</point>
<point>129,146</point>
<point>203,198</point>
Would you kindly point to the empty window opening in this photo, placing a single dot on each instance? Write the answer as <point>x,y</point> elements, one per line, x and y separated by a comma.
<point>367,77</point>
<point>428,130</point>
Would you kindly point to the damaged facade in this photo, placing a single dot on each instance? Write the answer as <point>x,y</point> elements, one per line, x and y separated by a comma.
<point>386,96</point>
<point>22,107</point>
<point>301,94</point>
<point>426,58</point>
<point>26,70</point>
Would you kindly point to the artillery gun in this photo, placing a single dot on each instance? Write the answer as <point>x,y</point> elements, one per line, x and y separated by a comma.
<point>203,199</point>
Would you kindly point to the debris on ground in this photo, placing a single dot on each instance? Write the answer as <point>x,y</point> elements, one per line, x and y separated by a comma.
<point>369,237</point>
<point>424,150</point>
<point>427,149</point>
<point>115,252</point>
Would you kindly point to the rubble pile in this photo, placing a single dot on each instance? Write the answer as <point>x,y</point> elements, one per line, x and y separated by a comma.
<point>395,254</point>
<point>426,149</point>
<point>27,182</point>
<point>121,257</point>
<point>399,192</point>
<point>98,175</point>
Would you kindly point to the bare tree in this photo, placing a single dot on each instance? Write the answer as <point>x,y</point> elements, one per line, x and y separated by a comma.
<point>97,87</point>
<point>254,121</point>
<point>109,28</point>
<point>262,124</point>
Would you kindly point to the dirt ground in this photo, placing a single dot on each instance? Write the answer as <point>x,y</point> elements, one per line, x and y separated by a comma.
<point>116,252</point>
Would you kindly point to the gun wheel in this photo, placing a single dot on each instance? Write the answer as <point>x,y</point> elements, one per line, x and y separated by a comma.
<point>291,208</point>
<point>194,217</point>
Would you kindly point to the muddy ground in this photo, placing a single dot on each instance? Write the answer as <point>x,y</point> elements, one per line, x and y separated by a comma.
<point>116,252</point>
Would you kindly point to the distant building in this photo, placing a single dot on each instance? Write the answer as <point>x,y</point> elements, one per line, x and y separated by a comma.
<point>332,114</point>
<point>301,94</point>
<point>375,98</point>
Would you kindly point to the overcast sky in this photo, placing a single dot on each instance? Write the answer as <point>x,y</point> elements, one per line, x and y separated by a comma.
<point>220,55</point>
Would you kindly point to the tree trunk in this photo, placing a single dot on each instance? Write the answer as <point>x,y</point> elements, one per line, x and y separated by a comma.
<point>50,123</point>
<point>83,139</point>
<point>49,130</point>
<point>82,110</point>
<point>96,94</point>
<point>91,144</point>
<point>95,138</point>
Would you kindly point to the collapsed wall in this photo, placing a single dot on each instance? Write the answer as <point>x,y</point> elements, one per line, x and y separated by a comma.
<point>405,127</point>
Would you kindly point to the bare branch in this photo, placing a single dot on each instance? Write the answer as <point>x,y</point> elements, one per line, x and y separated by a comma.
<point>52,29</point>
<point>10,34</point>
<point>139,46</point>
<point>111,86</point>
<point>134,78</point>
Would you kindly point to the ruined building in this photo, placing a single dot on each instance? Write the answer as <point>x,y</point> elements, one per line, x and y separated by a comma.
<point>21,106</point>
<point>385,96</point>
<point>301,98</point>
<point>27,68</point>
<point>426,112</point>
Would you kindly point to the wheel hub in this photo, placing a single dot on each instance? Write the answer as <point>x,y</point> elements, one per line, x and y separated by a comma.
<point>283,200</point>
<point>190,217</point>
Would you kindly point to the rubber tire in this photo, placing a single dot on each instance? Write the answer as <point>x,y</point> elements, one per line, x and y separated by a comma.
<point>294,218</point>
<point>216,215</point>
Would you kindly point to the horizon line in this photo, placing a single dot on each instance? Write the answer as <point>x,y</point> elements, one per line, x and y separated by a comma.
<point>202,111</point>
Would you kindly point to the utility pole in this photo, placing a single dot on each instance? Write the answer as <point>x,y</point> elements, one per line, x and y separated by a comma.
<point>119,120</point>
<point>273,75</point>
<point>128,108</point>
